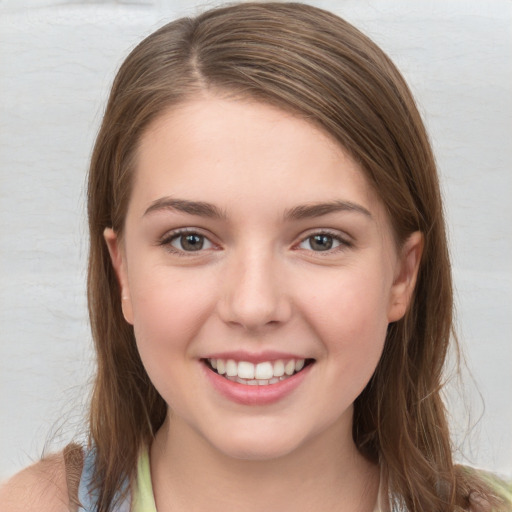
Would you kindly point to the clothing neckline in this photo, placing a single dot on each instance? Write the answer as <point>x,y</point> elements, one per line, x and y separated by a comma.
<point>143,499</point>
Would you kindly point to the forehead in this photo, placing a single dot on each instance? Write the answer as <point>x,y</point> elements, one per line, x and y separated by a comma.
<point>216,150</point>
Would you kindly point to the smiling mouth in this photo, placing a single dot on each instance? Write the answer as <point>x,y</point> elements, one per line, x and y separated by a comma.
<point>261,374</point>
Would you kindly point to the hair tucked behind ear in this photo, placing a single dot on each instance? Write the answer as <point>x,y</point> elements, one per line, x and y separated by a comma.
<point>316,65</point>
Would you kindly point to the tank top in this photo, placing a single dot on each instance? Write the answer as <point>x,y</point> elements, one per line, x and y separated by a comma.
<point>140,499</point>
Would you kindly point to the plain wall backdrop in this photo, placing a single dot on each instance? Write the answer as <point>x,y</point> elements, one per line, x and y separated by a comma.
<point>57,61</point>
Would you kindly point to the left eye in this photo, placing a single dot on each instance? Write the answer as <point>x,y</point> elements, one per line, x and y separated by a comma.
<point>190,242</point>
<point>320,242</point>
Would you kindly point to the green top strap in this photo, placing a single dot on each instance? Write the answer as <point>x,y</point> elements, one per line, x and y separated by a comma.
<point>143,498</point>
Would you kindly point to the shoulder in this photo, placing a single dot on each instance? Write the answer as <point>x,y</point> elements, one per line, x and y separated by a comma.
<point>40,487</point>
<point>44,486</point>
<point>487,492</point>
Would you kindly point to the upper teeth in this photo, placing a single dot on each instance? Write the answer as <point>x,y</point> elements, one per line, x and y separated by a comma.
<point>261,371</point>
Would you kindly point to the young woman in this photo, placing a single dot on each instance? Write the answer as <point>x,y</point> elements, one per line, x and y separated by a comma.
<point>269,284</point>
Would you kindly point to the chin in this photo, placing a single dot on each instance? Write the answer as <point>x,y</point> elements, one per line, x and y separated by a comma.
<point>257,444</point>
<point>256,451</point>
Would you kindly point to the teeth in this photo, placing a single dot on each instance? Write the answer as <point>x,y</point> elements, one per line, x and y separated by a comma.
<point>246,370</point>
<point>278,369</point>
<point>232,368</point>
<point>260,374</point>
<point>264,371</point>
<point>289,367</point>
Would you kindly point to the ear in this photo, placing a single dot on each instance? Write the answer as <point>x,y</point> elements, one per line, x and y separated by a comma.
<point>115,248</point>
<point>406,276</point>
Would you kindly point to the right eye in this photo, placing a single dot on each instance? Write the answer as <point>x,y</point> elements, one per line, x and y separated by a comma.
<point>190,242</point>
<point>186,242</point>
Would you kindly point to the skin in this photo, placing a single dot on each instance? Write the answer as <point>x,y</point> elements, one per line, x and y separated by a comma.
<point>258,283</point>
<point>41,487</point>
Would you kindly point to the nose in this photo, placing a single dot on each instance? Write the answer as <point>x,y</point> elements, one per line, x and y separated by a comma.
<point>254,294</point>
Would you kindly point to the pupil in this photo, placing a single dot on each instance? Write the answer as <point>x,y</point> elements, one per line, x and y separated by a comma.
<point>192,242</point>
<point>321,242</point>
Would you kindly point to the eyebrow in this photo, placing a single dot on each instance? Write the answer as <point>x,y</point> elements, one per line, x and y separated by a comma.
<point>319,209</point>
<point>203,209</point>
<point>199,208</point>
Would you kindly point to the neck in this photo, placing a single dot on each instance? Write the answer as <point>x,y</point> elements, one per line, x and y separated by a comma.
<point>325,473</point>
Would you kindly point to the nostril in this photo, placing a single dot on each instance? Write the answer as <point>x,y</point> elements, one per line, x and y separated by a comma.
<point>254,297</point>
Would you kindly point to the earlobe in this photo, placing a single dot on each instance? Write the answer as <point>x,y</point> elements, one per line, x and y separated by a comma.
<point>118,259</point>
<point>407,274</point>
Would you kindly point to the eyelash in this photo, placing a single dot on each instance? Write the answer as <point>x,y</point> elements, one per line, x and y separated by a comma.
<point>169,238</point>
<point>343,243</point>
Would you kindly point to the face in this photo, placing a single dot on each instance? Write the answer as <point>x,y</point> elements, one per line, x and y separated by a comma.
<point>259,271</point>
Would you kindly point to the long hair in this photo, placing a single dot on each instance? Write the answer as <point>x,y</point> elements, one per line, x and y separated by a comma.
<point>312,63</point>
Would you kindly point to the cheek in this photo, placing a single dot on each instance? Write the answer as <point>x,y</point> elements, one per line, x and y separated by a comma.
<point>352,300</point>
<point>169,306</point>
<point>348,312</point>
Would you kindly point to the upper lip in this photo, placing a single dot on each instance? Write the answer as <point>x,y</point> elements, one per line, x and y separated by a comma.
<point>254,357</point>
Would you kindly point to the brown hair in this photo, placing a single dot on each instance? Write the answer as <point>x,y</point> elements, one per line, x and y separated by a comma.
<point>316,65</point>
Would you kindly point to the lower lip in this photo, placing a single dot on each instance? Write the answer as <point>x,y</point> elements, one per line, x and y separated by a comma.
<point>255,395</point>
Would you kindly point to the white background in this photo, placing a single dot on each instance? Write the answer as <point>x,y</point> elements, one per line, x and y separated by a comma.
<point>57,60</point>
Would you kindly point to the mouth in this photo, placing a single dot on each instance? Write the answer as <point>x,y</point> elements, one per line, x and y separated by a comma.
<point>265,373</point>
